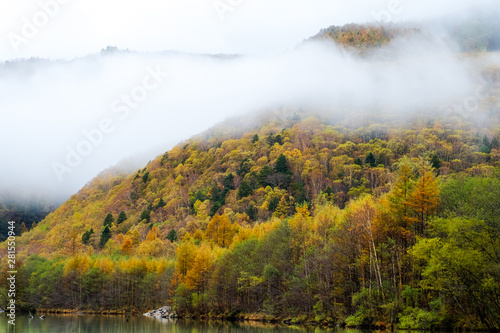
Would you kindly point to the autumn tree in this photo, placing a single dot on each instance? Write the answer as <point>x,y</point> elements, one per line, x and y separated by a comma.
<point>127,246</point>
<point>424,199</point>
<point>220,230</point>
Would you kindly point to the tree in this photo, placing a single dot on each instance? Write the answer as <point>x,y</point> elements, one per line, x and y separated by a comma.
<point>435,162</point>
<point>282,208</point>
<point>370,159</point>
<point>255,138</point>
<point>172,235</point>
<point>105,236</point>
<point>127,246</point>
<point>152,234</point>
<point>251,212</point>
<point>228,182</point>
<point>86,236</point>
<point>161,203</point>
<point>23,228</point>
<point>108,221</point>
<point>245,190</point>
<point>122,217</point>
<point>282,165</point>
<point>425,197</point>
<point>220,230</point>
<point>145,177</point>
<point>145,215</point>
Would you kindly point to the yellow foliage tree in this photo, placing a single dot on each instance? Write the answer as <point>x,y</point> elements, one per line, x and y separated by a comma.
<point>220,230</point>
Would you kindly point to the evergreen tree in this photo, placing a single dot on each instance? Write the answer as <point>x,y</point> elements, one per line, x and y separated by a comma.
<point>255,138</point>
<point>370,159</point>
<point>172,235</point>
<point>263,174</point>
<point>108,221</point>
<point>245,190</point>
<point>105,236</point>
<point>282,165</point>
<point>161,203</point>
<point>435,162</point>
<point>228,182</point>
<point>145,177</point>
<point>145,215</point>
<point>86,236</point>
<point>251,212</point>
<point>121,218</point>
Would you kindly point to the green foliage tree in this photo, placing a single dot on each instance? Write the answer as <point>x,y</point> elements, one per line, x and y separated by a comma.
<point>435,161</point>
<point>108,220</point>
<point>122,217</point>
<point>245,190</point>
<point>105,236</point>
<point>86,236</point>
<point>370,160</point>
<point>172,235</point>
<point>145,177</point>
<point>145,215</point>
<point>282,165</point>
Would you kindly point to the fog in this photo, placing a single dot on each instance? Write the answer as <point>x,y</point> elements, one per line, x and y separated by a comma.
<point>66,120</point>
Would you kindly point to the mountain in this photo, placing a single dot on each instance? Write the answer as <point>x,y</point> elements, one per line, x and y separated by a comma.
<point>356,218</point>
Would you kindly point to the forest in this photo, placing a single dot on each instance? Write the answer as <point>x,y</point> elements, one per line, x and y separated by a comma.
<point>300,218</point>
<point>358,219</point>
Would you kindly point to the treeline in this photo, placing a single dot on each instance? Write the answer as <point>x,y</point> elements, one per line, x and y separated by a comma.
<point>92,283</point>
<point>413,256</point>
<point>424,255</point>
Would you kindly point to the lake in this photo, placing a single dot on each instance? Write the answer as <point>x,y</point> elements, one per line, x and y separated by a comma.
<point>115,324</point>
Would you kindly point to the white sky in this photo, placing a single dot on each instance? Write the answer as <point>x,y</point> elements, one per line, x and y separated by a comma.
<point>80,27</point>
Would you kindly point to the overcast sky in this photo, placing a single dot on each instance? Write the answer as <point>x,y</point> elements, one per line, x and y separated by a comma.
<point>69,28</point>
<point>50,110</point>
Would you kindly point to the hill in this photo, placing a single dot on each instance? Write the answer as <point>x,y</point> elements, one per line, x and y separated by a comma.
<point>361,218</point>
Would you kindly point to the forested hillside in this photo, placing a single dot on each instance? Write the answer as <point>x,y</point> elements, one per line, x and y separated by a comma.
<point>300,217</point>
<point>361,218</point>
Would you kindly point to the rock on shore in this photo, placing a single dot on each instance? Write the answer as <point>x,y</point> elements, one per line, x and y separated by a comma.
<point>163,312</point>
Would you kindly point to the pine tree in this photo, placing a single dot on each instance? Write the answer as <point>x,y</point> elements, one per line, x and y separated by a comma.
<point>251,212</point>
<point>255,138</point>
<point>245,190</point>
<point>145,177</point>
<point>172,235</point>
<point>105,236</point>
<point>121,218</point>
<point>86,236</point>
<point>108,221</point>
<point>161,203</point>
<point>435,162</point>
<point>282,165</point>
<point>145,215</point>
<point>370,159</point>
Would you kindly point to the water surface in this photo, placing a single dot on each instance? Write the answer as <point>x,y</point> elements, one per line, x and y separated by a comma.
<point>140,324</point>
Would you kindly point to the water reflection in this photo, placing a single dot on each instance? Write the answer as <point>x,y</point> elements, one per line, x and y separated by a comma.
<point>115,324</point>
